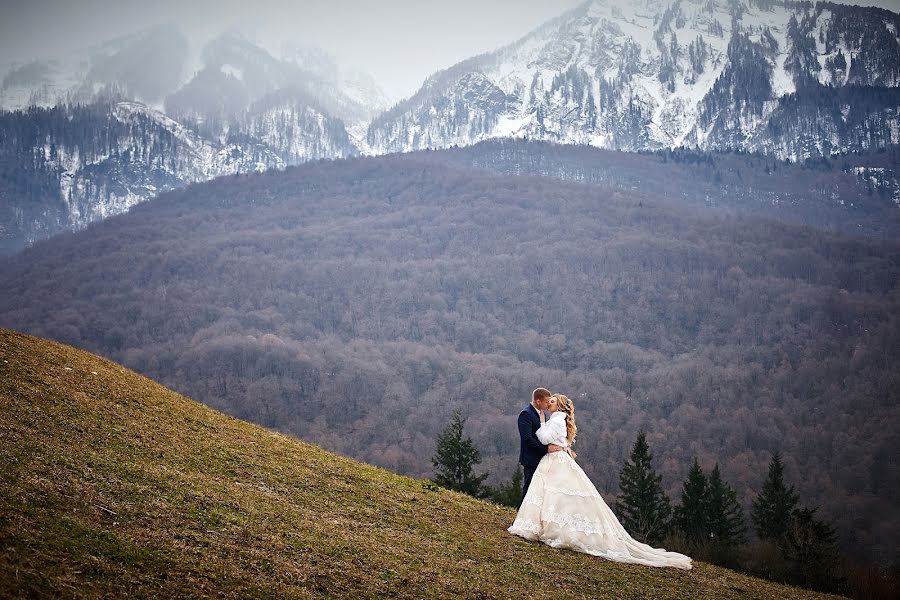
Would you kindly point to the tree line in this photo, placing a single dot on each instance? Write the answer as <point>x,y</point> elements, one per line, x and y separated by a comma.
<point>792,544</point>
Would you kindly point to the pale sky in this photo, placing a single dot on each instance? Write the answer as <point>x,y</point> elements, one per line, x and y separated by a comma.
<point>399,42</point>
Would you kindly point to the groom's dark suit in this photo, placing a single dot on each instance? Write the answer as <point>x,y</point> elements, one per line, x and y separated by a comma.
<point>532,450</point>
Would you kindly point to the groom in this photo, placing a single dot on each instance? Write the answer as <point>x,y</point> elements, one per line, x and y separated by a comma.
<point>532,450</point>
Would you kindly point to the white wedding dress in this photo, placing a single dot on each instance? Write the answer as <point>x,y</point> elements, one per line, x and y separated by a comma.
<point>563,509</point>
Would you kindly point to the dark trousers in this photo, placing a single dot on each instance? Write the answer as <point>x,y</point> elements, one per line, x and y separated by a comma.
<point>529,473</point>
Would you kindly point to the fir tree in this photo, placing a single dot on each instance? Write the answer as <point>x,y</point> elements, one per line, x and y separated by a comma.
<point>810,548</point>
<point>455,457</point>
<point>725,517</point>
<point>775,504</point>
<point>690,517</point>
<point>643,507</point>
<point>508,494</point>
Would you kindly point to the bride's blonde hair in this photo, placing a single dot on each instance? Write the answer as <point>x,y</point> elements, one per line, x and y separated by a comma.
<point>566,406</point>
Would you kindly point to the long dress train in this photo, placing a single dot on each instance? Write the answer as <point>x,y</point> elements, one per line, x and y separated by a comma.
<point>563,509</point>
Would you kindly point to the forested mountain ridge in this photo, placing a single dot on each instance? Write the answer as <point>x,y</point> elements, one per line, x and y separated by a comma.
<point>209,506</point>
<point>403,287</point>
<point>856,193</point>
<point>65,167</point>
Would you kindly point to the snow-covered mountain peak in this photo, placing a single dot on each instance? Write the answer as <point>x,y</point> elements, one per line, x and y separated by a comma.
<point>216,79</point>
<point>653,74</point>
<point>356,84</point>
<point>145,66</point>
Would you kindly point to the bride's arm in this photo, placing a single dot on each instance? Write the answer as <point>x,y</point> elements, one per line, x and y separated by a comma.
<point>553,432</point>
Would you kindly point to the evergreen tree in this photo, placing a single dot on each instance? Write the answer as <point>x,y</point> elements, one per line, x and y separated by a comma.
<point>690,517</point>
<point>725,517</point>
<point>810,548</point>
<point>508,494</point>
<point>642,506</point>
<point>775,504</point>
<point>455,457</point>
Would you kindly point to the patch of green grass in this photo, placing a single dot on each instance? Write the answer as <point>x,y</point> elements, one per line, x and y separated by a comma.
<point>113,486</point>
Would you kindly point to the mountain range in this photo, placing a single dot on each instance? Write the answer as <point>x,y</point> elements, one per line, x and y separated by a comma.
<point>161,68</point>
<point>787,79</point>
<point>94,133</point>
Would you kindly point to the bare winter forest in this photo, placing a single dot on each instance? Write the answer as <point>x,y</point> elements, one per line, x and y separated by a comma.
<point>357,303</point>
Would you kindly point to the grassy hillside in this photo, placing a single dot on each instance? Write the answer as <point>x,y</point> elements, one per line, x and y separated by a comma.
<point>112,485</point>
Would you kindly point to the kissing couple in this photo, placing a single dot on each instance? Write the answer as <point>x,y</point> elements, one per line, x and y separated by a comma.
<point>560,506</point>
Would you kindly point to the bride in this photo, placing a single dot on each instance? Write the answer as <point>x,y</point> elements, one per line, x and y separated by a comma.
<point>563,509</point>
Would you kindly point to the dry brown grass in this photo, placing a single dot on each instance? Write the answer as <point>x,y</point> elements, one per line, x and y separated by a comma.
<point>111,485</point>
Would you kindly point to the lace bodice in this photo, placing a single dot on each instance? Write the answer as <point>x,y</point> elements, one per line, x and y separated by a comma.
<point>553,431</point>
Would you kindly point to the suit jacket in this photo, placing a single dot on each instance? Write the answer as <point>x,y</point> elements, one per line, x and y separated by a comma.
<point>532,450</point>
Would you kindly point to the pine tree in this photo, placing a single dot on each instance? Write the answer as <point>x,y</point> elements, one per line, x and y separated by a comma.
<point>725,517</point>
<point>690,517</point>
<point>508,494</point>
<point>643,507</point>
<point>810,547</point>
<point>775,504</point>
<point>455,457</point>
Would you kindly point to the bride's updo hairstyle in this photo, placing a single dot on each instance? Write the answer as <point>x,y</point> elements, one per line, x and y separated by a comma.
<point>565,405</point>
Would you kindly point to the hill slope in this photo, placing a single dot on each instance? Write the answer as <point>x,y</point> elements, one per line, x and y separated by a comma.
<point>112,485</point>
